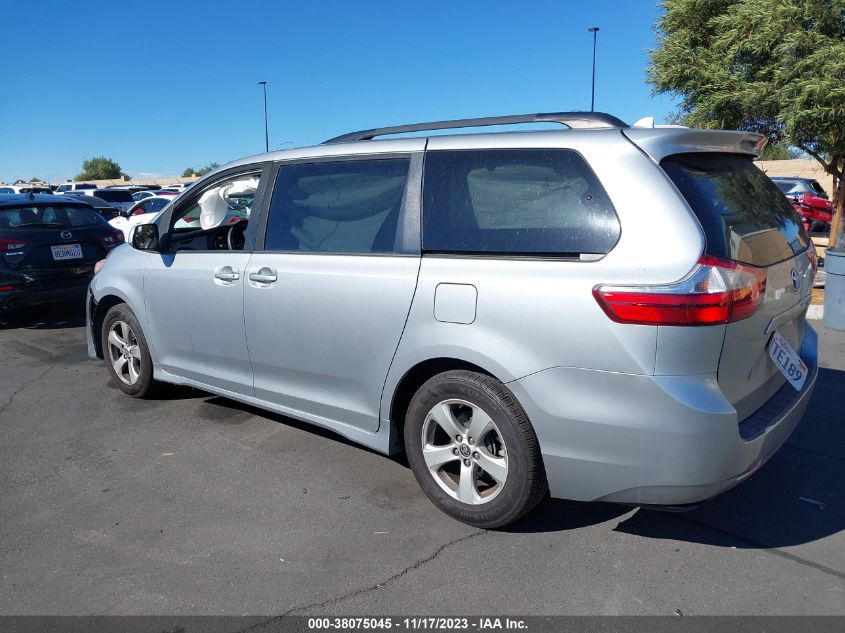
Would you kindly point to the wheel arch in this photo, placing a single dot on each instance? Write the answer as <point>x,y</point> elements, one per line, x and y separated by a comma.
<point>414,378</point>
<point>98,315</point>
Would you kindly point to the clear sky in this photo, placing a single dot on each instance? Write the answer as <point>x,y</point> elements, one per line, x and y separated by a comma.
<point>161,86</point>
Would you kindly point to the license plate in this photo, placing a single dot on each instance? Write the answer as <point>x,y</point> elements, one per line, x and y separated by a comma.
<point>788,361</point>
<point>67,251</point>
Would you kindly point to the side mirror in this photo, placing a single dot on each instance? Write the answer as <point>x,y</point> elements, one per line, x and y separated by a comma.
<point>145,237</point>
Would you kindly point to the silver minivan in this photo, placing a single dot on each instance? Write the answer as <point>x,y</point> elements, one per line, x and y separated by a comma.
<point>600,312</point>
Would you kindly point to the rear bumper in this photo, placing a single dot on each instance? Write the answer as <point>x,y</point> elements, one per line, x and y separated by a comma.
<point>26,290</point>
<point>657,440</point>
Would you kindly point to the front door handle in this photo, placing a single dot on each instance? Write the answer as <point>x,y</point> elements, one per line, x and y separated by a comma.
<point>226,273</point>
<point>263,275</point>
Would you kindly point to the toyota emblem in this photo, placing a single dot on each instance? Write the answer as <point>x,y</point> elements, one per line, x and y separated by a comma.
<point>796,280</point>
<point>66,235</point>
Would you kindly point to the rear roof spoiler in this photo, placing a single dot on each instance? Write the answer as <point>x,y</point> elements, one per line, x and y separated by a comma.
<point>569,119</point>
<point>660,142</point>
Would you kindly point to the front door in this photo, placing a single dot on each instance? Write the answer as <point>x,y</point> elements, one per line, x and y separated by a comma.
<point>195,290</point>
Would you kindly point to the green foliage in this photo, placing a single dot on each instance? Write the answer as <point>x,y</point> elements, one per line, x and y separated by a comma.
<point>207,169</point>
<point>770,66</point>
<point>34,179</point>
<point>99,168</point>
<point>202,171</point>
<point>776,67</point>
<point>776,151</point>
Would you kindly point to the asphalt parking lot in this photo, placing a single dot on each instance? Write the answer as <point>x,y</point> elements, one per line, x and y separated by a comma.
<point>193,504</point>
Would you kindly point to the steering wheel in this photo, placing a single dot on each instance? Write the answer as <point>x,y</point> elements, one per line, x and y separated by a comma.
<point>235,238</point>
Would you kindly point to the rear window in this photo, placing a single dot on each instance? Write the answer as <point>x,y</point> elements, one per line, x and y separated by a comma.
<point>84,186</point>
<point>115,195</point>
<point>745,216</point>
<point>521,202</point>
<point>785,185</point>
<point>60,216</point>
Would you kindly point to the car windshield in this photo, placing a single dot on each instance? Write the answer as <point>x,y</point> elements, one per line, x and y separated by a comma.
<point>153,205</point>
<point>51,217</point>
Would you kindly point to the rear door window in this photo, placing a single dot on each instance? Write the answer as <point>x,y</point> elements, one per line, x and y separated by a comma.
<point>515,201</point>
<point>351,206</point>
<point>745,216</point>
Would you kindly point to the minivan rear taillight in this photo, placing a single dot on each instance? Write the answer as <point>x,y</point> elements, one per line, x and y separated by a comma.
<point>717,291</point>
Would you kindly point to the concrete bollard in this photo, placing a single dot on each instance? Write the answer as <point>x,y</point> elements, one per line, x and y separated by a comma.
<point>834,291</point>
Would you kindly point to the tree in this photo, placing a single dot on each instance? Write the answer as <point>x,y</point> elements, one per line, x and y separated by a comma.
<point>776,151</point>
<point>99,168</point>
<point>202,171</point>
<point>776,67</point>
<point>34,179</point>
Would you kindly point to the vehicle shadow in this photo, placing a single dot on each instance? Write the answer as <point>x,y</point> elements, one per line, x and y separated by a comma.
<point>47,316</point>
<point>795,498</point>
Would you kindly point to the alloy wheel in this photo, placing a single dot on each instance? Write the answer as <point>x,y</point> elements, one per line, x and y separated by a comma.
<point>464,451</point>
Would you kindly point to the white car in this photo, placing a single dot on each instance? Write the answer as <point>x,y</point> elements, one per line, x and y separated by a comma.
<point>67,187</point>
<point>142,212</point>
<point>31,187</point>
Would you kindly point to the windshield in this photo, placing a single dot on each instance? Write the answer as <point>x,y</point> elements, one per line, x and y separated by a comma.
<point>63,216</point>
<point>745,216</point>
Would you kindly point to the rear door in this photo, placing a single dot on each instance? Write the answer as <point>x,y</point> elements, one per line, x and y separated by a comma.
<point>327,298</point>
<point>746,218</point>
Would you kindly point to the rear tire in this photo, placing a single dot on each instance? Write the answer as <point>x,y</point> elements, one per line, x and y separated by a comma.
<point>127,354</point>
<point>473,451</point>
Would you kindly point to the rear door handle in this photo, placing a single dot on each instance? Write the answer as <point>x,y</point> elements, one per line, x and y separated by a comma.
<point>263,275</point>
<point>226,273</point>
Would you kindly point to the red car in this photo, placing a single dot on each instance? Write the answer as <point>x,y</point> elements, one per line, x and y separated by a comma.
<point>812,209</point>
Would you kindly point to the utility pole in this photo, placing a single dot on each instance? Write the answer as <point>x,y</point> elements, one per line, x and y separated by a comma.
<point>594,30</point>
<point>263,84</point>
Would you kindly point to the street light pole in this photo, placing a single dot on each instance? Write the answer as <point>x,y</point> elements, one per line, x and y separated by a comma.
<point>263,84</point>
<point>594,30</point>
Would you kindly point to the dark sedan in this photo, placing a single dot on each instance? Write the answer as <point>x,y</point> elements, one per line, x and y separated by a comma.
<point>48,247</point>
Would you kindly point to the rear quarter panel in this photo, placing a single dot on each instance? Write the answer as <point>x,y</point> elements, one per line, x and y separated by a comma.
<point>537,313</point>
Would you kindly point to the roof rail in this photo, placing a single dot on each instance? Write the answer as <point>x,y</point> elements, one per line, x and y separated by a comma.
<point>569,119</point>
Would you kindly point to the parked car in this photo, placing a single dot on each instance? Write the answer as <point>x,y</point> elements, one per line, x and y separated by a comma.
<point>791,185</point>
<point>48,247</point>
<point>141,212</point>
<point>178,187</point>
<point>25,188</point>
<point>105,209</point>
<point>816,212</point>
<point>507,316</point>
<point>140,195</point>
<point>68,187</point>
<point>120,199</point>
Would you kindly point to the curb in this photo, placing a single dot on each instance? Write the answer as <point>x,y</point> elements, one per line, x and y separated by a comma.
<point>815,312</point>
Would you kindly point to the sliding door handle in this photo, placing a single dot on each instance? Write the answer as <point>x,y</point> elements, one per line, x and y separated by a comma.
<point>263,275</point>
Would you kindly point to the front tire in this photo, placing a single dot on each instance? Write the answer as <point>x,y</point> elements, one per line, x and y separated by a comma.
<point>473,451</point>
<point>127,354</point>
